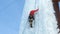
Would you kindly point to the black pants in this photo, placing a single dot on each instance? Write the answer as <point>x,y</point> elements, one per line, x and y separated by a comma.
<point>31,18</point>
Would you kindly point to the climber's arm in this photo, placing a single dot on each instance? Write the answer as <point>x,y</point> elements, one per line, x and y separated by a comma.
<point>37,9</point>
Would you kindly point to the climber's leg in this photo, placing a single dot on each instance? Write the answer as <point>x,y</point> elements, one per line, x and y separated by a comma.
<point>31,20</point>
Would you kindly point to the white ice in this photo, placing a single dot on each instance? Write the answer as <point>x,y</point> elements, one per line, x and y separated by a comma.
<point>45,20</point>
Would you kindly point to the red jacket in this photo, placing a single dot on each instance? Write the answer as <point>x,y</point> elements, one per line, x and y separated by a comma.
<point>33,11</point>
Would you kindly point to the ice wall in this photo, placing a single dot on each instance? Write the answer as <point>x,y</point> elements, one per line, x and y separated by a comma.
<point>45,21</point>
<point>24,26</point>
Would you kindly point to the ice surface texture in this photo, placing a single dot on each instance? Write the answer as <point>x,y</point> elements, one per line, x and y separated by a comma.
<point>45,20</point>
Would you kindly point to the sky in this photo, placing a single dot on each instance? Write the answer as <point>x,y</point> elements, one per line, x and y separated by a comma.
<point>10,14</point>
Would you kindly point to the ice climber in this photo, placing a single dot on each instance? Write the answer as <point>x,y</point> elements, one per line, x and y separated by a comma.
<point>31,16</point>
